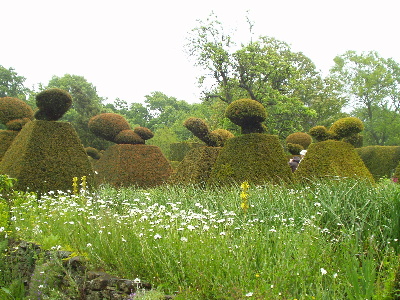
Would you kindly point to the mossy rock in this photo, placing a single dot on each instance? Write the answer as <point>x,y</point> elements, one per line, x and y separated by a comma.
<point>332,160</point>
<point>257,158</point>
<point>45,156</point>
<point>196,167</point>
<point>179,150</point>
<point>381,161</point>
<point>133,165</point>
<point>6,139</point>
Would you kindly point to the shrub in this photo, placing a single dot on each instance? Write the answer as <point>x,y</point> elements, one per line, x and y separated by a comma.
<point>128,137</point>
<point>381,161</point>
<point>346,127</point>
<point>45,156</point>
<point>17,124</point>
<point>14,108</point>
<point>300,138</point>
<point>108,125</point>
<point>320,133</point>
<point>133,165</point>
<point>93,152</point>
<point>330,159</point>
<point>6,138</point>
<point>144,133</point>
<point>257,158</point>
<point>248,114</point>
<point>179,150</point>
<point>52,104</point>
<point>294,149</point>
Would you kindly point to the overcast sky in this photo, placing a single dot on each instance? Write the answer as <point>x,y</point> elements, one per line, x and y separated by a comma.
<point>128,49</point>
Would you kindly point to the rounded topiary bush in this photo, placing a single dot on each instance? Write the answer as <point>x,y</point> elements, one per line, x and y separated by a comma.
<point>108,125</point>
<point>128,137</point>
<point>224,135</point>
<point>320,133</point>
<point>299,138</point>
<point>294,148</point>
<point>13,109</point>
<point>201,130</point>
<point>52,104</point>
<point>144,133</point>
<point>346,127</point>
<point>17,124</point>
<point>248,114</point>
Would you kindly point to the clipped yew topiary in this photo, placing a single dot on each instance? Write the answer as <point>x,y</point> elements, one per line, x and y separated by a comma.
<point>320,133</point>
<point>93,152</point>
<point>381,161</point>
<point>45,156</point>
<point>346,127</point>
<point>248,114</point>
<point>294,149</point>
<point>52,104</point>
<point>179,150</point>
<point>332,160</point>
<point>300,138</point>
<point>130,162</point>
<point>257,158</point>
<point>108,125</point>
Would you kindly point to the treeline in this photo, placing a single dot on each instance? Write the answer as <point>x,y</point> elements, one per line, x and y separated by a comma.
<point>295,93</point>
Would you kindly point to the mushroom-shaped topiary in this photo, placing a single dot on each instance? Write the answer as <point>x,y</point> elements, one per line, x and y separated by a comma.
<point>143,132</point>
<point>248,114</point>
<point>347,127</point>
<point>294,149</point>
<point>128,137</point>
<point>52,104</point>
<point>200,129</point>
<point>301,138</point>
<point>320,133</point>
<point>14,109</point>
<point>108,125</point>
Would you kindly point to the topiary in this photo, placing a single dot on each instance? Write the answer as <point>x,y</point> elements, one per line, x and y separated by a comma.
<point>320,133</point>
<point>346,127</point>
<point>128,137</point>
<point>300,138</point>
<point>14,109</point>
<point>17,124</point>
<point>93,152</point>
<point>200,129</point>
<point>108,125</point>
<point>248,114</point>
<point>294,149</point>
<point>144,133</point>
<point>52,104</point>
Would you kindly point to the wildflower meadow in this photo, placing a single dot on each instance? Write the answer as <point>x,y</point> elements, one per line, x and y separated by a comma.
<point>327,240</point>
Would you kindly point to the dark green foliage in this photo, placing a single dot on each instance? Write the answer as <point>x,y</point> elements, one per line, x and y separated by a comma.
<point>6,138</point>
<point>256,158</point>
<point>301,138</point>
<point>128,137</point>
<point>346,127</point>
<point>381,161</point>
<point>52,104</point>
<point>17,124</point>
<point>248,114</point>
<point>133,165</point>
<point>108,125</point>
<point>331,159</point>
<point>196,167</point>
<point>93,152</point>
<point>320,133</point>
<point>179,150</point>
<point>396,175</point>
<point>356,140</point>
<point>200,129</point>
<point>45,156</point>
<point>294,148</point>
<point>144,132</point>
<point>14,108</point>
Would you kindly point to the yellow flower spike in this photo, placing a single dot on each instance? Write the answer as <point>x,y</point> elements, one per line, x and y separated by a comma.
<point>83,183</point>
<point>75,185</point>
<point>244,196</point>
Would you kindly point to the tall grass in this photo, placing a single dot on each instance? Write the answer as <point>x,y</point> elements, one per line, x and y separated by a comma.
<point>327,240</point>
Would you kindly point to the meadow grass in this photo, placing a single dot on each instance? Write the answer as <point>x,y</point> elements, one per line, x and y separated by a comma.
<point>326,240</point>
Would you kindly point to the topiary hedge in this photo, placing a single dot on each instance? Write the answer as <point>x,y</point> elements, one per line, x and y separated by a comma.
<point>248,114</point>
<point>332,159</point>
<point>256,158</point>
<point>13,109</point>
<point>196,166</point>
<point>45,156</point>
<point>108,125</point>
<point>6,138</point>
<point>381,161</point>
<point>179,150</point>
<point>133,165</point>
<point>52,104</point>
<point>300,138</point>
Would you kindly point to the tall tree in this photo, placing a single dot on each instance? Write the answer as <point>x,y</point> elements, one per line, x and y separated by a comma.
<point>11,84</point>
<point>265,70</point>
<point>372,84</point>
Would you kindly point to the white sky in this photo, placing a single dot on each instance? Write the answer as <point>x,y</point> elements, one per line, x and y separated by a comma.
<point>129,48</point>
